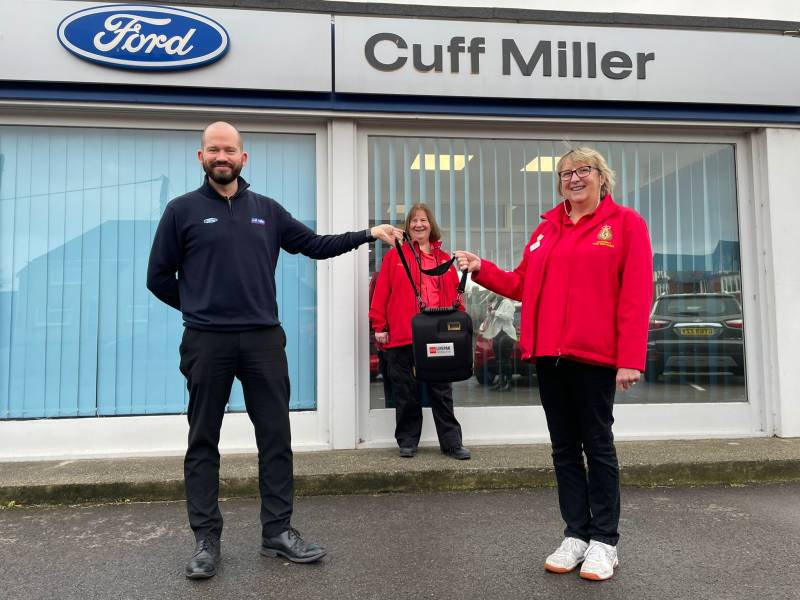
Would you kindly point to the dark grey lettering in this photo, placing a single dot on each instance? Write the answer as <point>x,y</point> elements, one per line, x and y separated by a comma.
<point>576,59</point>
<point>437,59</point>
<point>616,65</point>
<point>542,51</point>
<point>641,63</point>
<point>562,59</point>
<point>591,59</point>
<point>475,50</point>
<point>455,49</point>
<point>369,51</point>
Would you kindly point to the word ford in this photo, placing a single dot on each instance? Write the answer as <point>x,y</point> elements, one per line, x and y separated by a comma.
<point>118,30</point>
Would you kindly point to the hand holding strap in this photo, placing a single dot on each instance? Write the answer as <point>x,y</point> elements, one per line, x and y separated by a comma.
<point>435,271</point>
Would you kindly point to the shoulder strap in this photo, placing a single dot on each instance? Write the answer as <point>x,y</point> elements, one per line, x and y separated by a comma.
<point>435,271</point>
<point>399,248</point>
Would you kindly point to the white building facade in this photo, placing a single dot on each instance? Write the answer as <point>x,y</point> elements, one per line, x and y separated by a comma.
<point>350,113</point>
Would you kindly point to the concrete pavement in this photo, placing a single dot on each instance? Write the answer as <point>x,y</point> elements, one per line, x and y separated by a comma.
<point>643,463</point>
<point>679,543</point>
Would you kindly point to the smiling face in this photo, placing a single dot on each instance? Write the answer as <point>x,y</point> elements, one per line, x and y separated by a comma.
<point>222,155</point>
<point>581,191</point>
<point>419,227</point>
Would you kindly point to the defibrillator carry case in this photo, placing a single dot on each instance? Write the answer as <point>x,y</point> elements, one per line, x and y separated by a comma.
<point>441,337</point>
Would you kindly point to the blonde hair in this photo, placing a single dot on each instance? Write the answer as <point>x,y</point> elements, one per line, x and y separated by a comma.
<point>436,233</point>
<point>593,158</point>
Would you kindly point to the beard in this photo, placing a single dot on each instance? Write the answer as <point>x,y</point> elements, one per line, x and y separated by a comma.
<point>222,178</point>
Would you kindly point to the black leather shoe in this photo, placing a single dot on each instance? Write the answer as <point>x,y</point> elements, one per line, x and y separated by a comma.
<point>290,544</point>
<point>459,453</point>
<point>205,559</point>
<point>407,451</point>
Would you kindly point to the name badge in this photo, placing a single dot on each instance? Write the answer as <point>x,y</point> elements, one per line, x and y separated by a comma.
<point>537,243</point>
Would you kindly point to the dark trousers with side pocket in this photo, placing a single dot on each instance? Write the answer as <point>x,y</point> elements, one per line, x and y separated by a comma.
<point>210,360</point>
<point>408,412</point>
<point>578,401</point>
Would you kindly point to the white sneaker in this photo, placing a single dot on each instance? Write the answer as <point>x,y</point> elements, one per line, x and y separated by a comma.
<point>600,561</point>
<point>567,556</point>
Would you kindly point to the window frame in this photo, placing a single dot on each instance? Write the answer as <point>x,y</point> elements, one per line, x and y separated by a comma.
<point>509,424</point>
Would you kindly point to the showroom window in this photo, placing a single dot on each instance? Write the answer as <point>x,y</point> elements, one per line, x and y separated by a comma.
<point>488,196</point>
<point>80,335</point>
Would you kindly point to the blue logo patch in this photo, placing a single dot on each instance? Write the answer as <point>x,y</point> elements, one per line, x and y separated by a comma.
<point>210,220</point>
<point>257,221</point>
<point>149,38</point>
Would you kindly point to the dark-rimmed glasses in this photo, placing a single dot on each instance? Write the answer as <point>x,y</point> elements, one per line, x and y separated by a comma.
<point>580,172</point>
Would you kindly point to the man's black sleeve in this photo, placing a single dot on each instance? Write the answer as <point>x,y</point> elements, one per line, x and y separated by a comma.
<point>165,261</point>
<point>297,237</point>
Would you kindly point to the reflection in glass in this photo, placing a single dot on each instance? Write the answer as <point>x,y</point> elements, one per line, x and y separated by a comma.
<point>488,195</point>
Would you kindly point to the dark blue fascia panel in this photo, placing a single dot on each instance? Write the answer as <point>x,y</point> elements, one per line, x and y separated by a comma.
<point>563,109</point>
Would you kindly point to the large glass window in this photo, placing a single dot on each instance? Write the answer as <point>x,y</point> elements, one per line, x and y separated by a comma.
<point>80,335</point>
<point>488,195</point>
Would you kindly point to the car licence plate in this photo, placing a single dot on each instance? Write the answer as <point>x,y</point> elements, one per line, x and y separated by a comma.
<point>696,331</point>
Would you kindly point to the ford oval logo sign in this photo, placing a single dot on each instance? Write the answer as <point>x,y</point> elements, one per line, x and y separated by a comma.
<point>150,38</point>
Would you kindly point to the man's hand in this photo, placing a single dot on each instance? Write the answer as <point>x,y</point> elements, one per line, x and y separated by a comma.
<point>627,378</point>
<point>382,337</point>
<point>387,233</point>
<point>469,261</point>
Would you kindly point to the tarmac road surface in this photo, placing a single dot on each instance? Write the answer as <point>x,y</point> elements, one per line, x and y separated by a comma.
<point>683,543</point>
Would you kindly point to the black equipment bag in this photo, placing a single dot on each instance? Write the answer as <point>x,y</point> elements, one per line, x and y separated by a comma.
<point>441,337</point>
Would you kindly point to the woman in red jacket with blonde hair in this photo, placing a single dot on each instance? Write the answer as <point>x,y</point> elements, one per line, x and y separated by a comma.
<point>586,285</point>
<point>391,310</point>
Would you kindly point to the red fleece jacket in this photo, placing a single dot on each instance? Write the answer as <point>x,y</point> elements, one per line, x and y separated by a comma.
<point>607,284</point>
<point>393,302</point>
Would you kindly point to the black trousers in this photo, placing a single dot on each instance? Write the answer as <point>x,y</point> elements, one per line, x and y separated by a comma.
<point>578,401</point>
<point>408,412</point>
<point>209,361</point>
<point>503,348</point>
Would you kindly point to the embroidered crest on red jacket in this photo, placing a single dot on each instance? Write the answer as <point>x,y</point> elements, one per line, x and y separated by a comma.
<point>604,237</point>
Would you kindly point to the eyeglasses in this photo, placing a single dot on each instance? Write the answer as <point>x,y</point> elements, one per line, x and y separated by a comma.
<point>580,172</point>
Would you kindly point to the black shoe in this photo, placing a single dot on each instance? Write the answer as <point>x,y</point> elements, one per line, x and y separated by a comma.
<point>407,451</point>
<point>459,453</point>
<point>503,384</point>
<point>205,559</point>
<point>291,545</point>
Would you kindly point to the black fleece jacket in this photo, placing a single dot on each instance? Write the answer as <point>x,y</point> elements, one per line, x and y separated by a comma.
<point>225,251</point>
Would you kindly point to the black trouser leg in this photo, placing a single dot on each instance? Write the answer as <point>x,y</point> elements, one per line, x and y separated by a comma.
<point>503,348</point>
<point>578,401</point>
<point>208,361</point>
<point>408,409</point>
<point>262,368</point>
<point>448,429</point>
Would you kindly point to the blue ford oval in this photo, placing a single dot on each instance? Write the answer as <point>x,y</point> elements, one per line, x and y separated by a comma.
<point>150,38</point>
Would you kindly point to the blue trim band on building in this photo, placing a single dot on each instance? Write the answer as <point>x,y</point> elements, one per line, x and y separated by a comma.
<point>564,109</point>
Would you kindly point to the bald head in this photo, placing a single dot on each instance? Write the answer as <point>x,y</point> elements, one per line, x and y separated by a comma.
<point>222,155</point>
<point>221,132</point>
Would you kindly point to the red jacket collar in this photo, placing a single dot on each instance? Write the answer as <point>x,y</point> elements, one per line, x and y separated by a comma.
<point>434,246</point>
<point>607,207</point>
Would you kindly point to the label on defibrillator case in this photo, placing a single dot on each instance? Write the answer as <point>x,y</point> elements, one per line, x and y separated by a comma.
<point>445,349</point>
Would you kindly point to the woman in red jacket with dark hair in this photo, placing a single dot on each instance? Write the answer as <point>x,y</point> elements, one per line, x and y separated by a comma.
<point>391,310</point>
<point>586,286</point>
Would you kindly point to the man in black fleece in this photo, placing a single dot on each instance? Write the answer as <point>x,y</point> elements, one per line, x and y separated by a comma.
<point>223,240</point>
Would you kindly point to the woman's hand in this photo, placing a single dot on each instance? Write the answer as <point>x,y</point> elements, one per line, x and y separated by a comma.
<point>469,261</point>
<point>627,378</point>
<point>382,337</point>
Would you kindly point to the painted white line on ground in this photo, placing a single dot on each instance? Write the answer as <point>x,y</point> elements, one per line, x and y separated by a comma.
<point>697,387</point>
